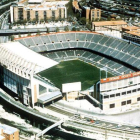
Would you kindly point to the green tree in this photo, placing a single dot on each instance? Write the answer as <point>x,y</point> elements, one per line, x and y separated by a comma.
<point>66,28</point>
<point>48,30</point>
<point>57,29</point>
<point>12,38</point>
<point>19,35</point>
<point>83,20</point>
<point>29,34</point>
<point>73,29</point>
<point>38,32</point>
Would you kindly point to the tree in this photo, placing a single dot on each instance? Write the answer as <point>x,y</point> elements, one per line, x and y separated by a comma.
<point>19,35</point>
<point>48,30</point>
<point>83,20</point>
<point>73,29</point>
<point>38,32</point>
<point>29,34</point>
<point>88,26</point>
<point>12,38</point>
<point>57,29</point>
<point>66,28</point>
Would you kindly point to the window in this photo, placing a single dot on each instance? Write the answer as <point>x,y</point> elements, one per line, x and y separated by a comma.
<point>123,103</point>
<point>59,13</point>
<point>105,97</point>
<point>28,15</point>
<point>98,13</point>
<point>138,89</point>
<point>112,105</point>
<point>134,90</point>
<point>128,101</point>
<point>45,15</point>
<point>118,94</point>
<point>36,15</point>
<point>123,93</point>
<point>53,14</point>
<point>138,99</point>
<point>129,92</point>
<point>113,95</point>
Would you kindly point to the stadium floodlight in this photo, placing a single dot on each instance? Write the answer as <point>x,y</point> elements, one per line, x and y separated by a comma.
<point>103,69</point>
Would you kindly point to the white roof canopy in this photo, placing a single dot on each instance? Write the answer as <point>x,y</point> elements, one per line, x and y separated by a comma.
<point>21,56</point>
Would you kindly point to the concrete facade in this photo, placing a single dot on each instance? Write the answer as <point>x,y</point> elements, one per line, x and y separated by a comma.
<point>38,12</point>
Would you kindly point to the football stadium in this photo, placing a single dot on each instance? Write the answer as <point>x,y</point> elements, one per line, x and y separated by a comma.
<point>34,68</point>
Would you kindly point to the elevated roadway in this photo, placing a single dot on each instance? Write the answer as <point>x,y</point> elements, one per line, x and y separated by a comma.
<point>8,32</point>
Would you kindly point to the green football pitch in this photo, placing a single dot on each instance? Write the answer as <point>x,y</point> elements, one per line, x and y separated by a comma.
<point>73,71</point>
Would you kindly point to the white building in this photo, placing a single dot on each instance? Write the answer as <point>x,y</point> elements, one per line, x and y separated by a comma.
<point>18,72</point>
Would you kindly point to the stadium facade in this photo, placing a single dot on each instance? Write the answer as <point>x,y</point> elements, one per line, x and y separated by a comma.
<point>19,71</point>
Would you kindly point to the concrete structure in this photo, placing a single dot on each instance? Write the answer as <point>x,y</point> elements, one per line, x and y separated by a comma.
<point>40,10</point>
<point>18,72</point>
<point>93,14</point>
<point>108,25</point>
<point>131,33</point>
<point>120,92</point>
<point>8,132</point>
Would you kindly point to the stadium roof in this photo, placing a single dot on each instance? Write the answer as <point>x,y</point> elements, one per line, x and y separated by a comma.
<point>111,23</point>
<point>130,28</point>
<point>48,97</point>
<point>28,55</point>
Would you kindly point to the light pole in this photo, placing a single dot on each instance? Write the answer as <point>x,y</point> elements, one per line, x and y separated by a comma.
<point>103,69</point>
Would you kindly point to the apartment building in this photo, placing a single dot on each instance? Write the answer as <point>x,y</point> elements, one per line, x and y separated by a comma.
<point>108,25</point>
<point>38,10</point>
<point>8,132</point>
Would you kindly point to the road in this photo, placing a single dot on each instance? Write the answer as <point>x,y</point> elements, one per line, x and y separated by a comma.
<point>5,5</point>
<point>4,26</point>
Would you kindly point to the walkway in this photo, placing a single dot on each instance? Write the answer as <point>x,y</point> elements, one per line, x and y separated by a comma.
<point>49,128</point>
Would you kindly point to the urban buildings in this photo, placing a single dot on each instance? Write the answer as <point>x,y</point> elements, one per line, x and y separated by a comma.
<point>131,33</point>
<point>8,132</point>
<point>40,10</point>
<point>18,72</point>
<point>108,25</point>
<point>120,92</point>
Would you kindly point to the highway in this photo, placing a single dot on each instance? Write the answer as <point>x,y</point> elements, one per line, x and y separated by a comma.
<point>8,32</point>
<point>8,4</point>
<point>4,26</point>
<point>97,125</point>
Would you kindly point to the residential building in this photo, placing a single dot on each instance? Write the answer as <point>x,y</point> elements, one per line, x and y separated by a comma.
<point>8,132</point>
<point>38,10</point>
<point>108,25</point>
<point>131,33</point>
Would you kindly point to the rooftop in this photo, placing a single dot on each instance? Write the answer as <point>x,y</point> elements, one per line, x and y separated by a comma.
<point>8,129</point>
<point>129,28</point>
<point>134,32</point>
<point>28,55</point>
<point>107,23</point>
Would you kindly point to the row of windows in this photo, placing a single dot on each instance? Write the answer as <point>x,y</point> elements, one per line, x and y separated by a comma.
<point>123,103</point>
<point>44,14</point>
<point>16,77</point>
<point>123,93</point>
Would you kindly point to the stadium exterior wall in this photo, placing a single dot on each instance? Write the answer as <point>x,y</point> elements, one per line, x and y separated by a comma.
<point>120,92</point>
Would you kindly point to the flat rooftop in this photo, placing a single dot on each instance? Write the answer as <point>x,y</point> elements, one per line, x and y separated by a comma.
<point>109,23</point>
<point>8,129</point>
